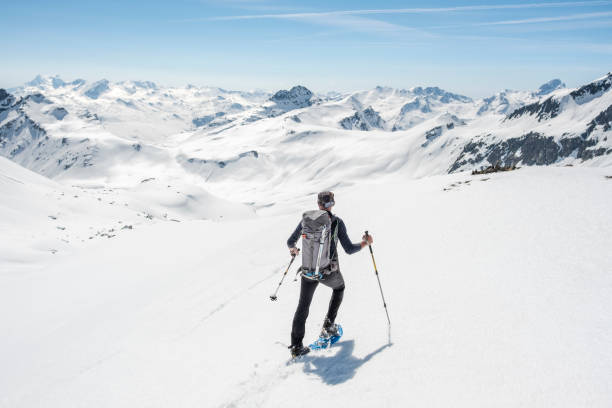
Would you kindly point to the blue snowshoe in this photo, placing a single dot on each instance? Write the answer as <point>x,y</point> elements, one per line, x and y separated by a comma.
<point>329,335</point>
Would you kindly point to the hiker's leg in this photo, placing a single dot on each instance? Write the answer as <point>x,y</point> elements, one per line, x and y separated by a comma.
<point>307,290</point>
<point>336,282</point>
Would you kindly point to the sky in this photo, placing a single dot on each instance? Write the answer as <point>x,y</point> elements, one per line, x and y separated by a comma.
<point>472,47</point>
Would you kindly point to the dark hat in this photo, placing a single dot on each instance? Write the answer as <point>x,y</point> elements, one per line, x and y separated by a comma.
<point>326,199</point>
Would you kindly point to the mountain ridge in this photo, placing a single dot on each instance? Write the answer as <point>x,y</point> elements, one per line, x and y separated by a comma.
<point>84,131</point>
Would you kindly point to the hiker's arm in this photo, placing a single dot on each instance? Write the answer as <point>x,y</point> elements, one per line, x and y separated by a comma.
<point>293,239</point>
<point>349,247</point>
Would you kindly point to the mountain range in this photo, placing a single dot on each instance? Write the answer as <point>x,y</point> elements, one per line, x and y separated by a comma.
<point>116,132</point>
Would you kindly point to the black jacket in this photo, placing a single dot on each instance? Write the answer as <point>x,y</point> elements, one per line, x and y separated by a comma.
<point>338,229</point>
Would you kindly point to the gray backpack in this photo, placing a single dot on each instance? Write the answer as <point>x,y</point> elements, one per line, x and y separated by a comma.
<point>316,239</point>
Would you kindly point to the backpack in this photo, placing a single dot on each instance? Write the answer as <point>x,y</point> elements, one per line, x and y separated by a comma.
<point>316,239</point>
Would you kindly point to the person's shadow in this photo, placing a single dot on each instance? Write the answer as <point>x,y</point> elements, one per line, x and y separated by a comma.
<point>342,366</point>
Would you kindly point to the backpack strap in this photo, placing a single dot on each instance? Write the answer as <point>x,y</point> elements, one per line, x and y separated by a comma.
<point>321,243</point>
<point>334,237</point>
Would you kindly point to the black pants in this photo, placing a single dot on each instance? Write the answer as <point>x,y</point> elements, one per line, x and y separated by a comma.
<point>334,281</point>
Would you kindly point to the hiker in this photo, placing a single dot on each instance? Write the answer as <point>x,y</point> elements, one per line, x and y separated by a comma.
<point>329,272</point>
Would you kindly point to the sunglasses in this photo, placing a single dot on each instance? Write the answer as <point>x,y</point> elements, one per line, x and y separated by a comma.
<point>329,204</point>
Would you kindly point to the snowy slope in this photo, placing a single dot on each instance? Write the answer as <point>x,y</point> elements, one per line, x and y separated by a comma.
<point>563,126</point>
<point>498,289</point>
<point>41,217</point>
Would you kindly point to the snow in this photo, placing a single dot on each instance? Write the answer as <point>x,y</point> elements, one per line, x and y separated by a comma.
<point>42,217</point>
<point>498,290</point>
<point>141,241</point>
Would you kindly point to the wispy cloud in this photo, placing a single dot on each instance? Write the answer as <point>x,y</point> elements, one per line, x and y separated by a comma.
<point>360,20</point>
<point>582,16</point>
<point>362,24</point>
<point>311,15</point>
<point>565,26</point>
<point>346,21</point>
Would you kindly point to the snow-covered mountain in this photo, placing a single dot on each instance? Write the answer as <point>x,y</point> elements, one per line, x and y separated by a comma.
<point>142,110</point>
<point>565,125</point>
<point>116,132</point>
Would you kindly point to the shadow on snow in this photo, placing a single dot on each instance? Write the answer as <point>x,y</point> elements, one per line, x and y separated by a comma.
<point>340,367</point>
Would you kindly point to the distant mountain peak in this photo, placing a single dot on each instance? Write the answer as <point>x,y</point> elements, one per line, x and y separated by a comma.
<point>38,80</point>
<point>97,88</point>
<point>45,80</point>
<point>298,95</point>
<point>367,119</point>
<point>140,84</point>
<point>550,86</point>
<point>440,94</point>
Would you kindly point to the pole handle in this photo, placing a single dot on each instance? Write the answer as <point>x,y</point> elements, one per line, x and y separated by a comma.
<point>370,247</point>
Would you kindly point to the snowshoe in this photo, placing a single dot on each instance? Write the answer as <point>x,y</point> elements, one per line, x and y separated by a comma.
<point>328,337</point>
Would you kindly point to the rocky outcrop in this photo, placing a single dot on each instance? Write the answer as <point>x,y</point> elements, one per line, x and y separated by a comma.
<point>367,119</point>
<point>529,149</point>
<point>433,134</point>
<point>592,90</point>
<point>284,101</point>
<point>603,119</point>
<point>296,97</point>
<point>547,109</point>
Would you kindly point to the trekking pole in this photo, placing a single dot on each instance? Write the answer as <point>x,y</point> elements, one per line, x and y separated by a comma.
<point>273,297</point>
<point>379,285</point>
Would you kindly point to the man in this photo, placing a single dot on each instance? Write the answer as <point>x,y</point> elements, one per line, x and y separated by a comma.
<point>331,277</point>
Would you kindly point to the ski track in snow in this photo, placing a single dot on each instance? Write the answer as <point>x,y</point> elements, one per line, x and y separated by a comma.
<point>331,367</point>
<point>229,300</point>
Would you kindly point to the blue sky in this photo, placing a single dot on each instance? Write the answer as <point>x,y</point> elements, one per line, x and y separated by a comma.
<point>473,47</point>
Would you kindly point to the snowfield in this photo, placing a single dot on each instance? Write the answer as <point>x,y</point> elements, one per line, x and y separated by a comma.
<point>498,286</point>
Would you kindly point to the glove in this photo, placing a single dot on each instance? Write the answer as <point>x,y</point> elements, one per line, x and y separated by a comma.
<point>366,240</point>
